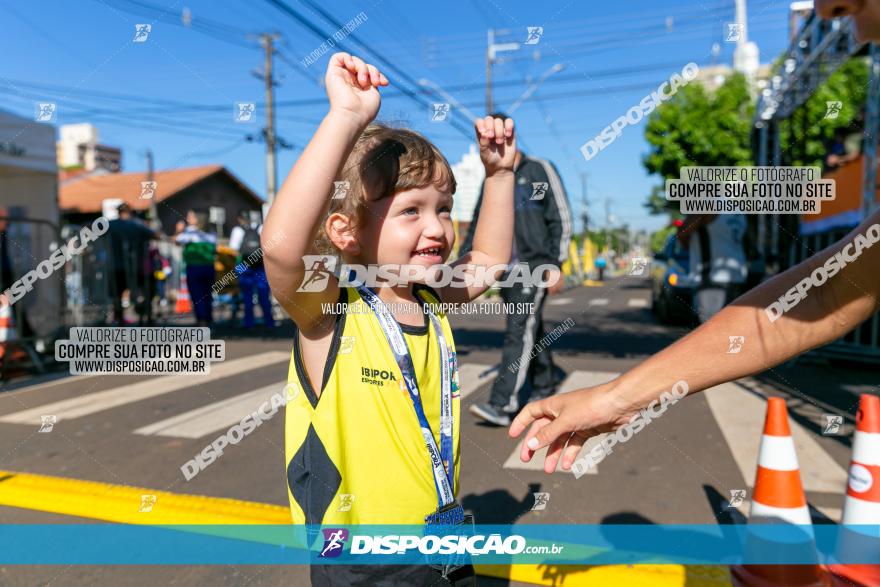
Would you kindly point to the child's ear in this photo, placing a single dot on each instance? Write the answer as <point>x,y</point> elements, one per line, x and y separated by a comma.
<point>341,233</point>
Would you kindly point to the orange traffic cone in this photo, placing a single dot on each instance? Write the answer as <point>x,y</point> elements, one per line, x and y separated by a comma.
<point>7,329</point>
<point>778,497</point>
<point>862,505</point>
<point>183,305</point>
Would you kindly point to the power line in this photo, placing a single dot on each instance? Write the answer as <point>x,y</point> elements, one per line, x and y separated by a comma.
<point>388,65</point>
<point>215,29</point>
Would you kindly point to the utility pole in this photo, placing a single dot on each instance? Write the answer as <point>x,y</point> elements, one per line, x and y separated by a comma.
<point>492,51</point>
<point>154,210</point>
<point>266,40</point>
<point>585,219</point>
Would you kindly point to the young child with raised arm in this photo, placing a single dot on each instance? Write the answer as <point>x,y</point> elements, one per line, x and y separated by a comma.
<point>373,436</point>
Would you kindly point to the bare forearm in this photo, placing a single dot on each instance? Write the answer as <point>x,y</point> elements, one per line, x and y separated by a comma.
<point>303,199</point>
<point>493,237</point>
<point>826,313</point>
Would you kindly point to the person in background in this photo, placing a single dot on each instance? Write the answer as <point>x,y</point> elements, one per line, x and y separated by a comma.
<point>130,249</point>
<point>542,231</point>
<point>245,238</point>
<point>601,263</point>
<point>226,265</point>
<point>161,273</point>
<point>199,249</point>
<point>719,238</point>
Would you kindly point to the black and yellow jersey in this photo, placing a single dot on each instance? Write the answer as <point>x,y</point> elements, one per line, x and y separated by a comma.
<point>356,455</point>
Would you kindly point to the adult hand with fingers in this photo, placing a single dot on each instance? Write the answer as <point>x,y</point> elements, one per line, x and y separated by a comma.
<point>352,87</point>
<point>564,422</point>
<point>497,144</point>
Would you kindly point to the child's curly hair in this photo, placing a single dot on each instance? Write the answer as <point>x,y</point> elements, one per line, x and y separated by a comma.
<point>384,161</point>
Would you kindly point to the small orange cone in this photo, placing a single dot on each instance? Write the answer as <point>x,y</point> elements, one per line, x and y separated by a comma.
<point>7,329</point>
<point>778,497</point>
<point>183,305</point>
<point>862,505</point>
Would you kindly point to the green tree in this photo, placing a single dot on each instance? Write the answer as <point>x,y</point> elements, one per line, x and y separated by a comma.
<point>699,128</point>
<point>805,135</point>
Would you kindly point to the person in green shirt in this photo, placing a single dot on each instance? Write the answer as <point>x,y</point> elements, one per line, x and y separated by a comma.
<point>199,250</point>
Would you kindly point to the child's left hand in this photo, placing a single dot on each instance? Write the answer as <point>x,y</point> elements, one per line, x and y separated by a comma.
<point>497,144</point>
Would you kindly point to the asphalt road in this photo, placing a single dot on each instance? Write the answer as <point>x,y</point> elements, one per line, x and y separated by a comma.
<point>131,431</point>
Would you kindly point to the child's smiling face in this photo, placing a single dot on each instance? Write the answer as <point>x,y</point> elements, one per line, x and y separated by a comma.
<point>412,227</point>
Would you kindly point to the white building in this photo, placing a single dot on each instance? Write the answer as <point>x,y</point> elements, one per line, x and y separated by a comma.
<point>78,147</point>
<point>29,205</point>
<point>469,174</point>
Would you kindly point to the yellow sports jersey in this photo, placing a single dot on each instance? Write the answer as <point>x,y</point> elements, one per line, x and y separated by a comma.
<point>356,455</point>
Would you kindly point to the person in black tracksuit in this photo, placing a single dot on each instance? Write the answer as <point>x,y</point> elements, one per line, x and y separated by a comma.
<point>542,230</point>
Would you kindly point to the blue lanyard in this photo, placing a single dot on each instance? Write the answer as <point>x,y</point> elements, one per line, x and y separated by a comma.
<point>442,463</point>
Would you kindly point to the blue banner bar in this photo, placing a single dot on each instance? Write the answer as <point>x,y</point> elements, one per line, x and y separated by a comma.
<point>101,544</point>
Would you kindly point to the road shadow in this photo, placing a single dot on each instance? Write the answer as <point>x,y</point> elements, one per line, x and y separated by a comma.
<point>499,506</point>
<point>694,574</point>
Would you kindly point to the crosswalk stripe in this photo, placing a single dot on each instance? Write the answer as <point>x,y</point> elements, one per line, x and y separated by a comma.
<point>740,415</point>
<point>558,301</point>
<point>214,417</point>
<point>222,414</point>
<point>469,377</point>
<point>598,302</point>
<point>575,380</point>
<point>118,396</point>
<point>50,384</point>
<point>637,303</point>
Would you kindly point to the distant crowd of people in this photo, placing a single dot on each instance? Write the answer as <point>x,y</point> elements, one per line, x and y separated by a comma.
<point>140,273</point>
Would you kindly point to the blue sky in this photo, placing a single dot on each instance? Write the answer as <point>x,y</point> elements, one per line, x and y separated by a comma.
<point>175,93</point>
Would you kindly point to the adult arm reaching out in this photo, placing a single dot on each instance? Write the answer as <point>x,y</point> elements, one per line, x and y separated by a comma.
<point>823,313</point>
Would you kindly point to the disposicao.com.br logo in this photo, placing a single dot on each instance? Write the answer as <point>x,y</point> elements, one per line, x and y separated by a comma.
<point>450,544</point>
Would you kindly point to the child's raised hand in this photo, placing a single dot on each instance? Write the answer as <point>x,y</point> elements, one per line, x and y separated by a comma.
<point>497,143</point>
<point>352,87</point>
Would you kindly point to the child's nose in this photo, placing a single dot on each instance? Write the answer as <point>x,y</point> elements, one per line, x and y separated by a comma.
<point>433,227</point>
